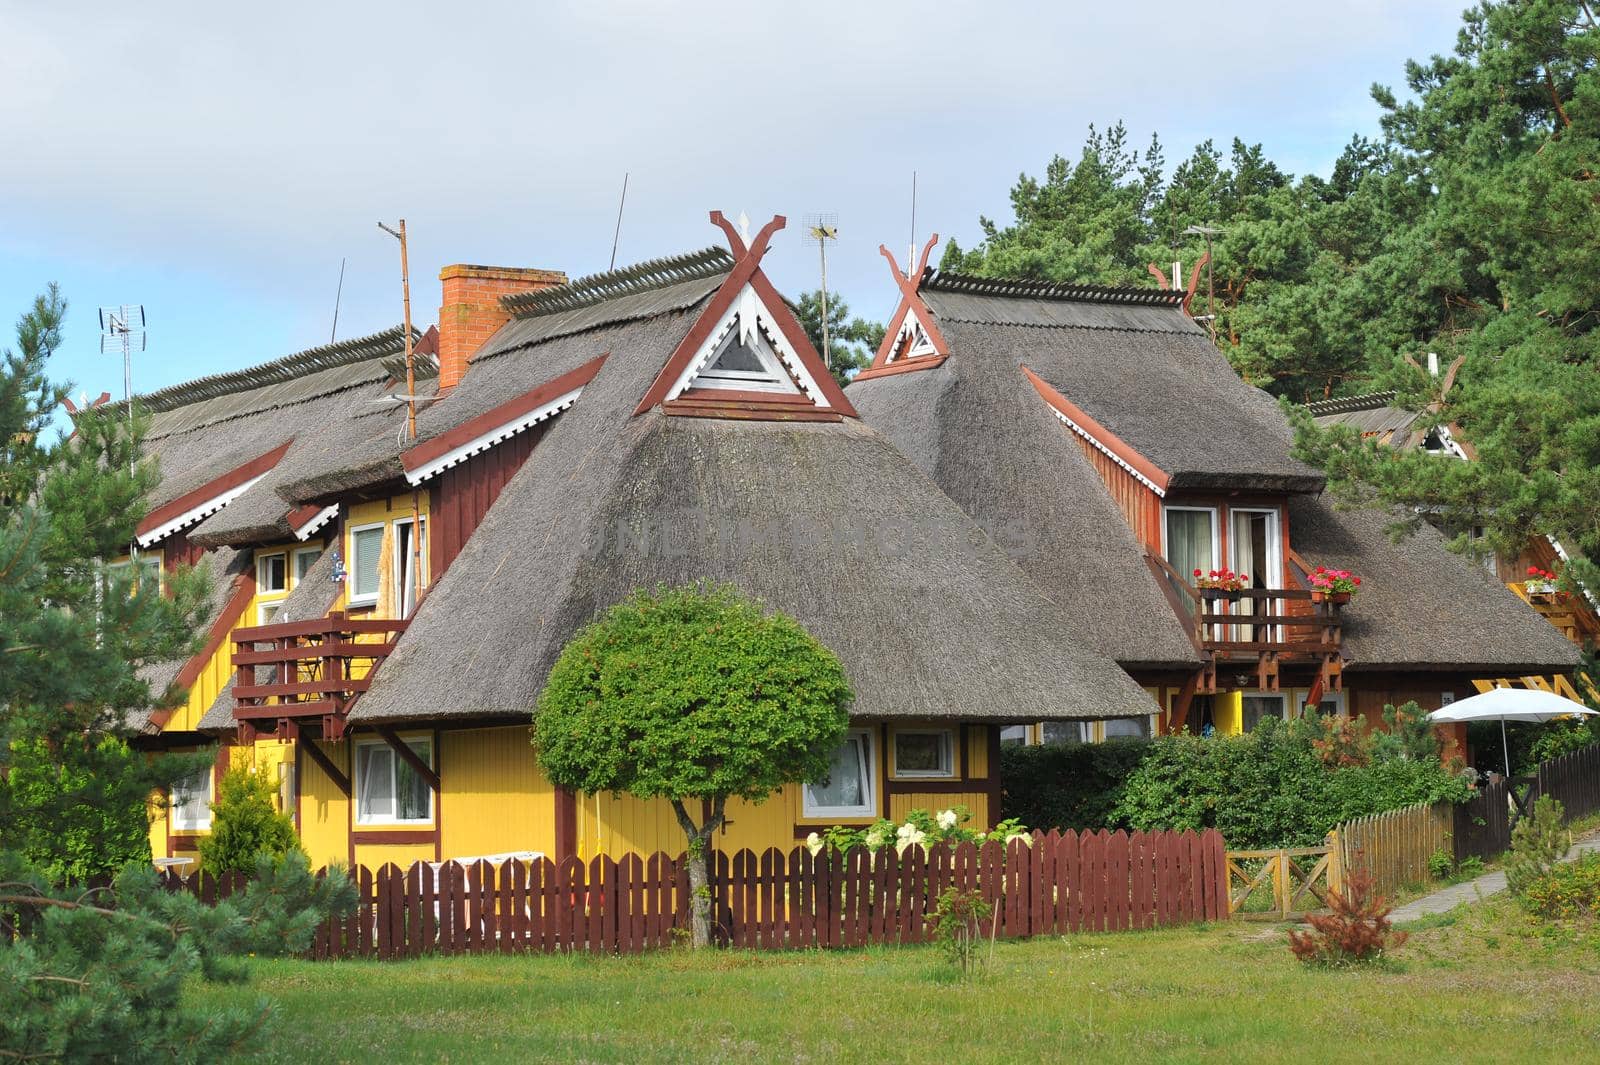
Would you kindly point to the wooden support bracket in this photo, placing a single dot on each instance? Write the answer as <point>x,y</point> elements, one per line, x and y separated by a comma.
<point>325,763</point>
<point>423,769</point>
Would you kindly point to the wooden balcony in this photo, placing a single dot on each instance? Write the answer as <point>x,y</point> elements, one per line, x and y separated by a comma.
<point>306,673</point>
<point>1256,632</point>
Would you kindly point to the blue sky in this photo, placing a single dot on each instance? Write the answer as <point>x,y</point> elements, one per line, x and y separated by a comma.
<point>215,162</point>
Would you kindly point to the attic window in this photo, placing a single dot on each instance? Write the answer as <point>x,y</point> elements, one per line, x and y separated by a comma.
<point>745,359</point>
<point>748,363</point>
<point>913,341</point>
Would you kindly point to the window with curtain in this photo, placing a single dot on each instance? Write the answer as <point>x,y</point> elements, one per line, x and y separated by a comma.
<point>847,790</point>
<point>405,563</point>
<point>924,754</point>
<point>304,559</point>
<point>191,802</point>
<point>1191,540</point>
<point>366,549</point>
<point>1065,732</point>
<point>388,790</point>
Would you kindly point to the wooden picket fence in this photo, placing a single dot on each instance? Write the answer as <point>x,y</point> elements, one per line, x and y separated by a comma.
<point>1394,846</point>
<point>1574,778</point>
<point>1063,882</point>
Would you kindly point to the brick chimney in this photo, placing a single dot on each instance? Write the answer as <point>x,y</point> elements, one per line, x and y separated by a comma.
<point>471,310</point>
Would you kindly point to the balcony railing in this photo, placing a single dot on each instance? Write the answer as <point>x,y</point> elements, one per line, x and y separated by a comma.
<point>1257,630</point>
<point>298,673</point>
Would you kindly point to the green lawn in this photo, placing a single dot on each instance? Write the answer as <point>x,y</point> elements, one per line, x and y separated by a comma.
<point>1479,985</point>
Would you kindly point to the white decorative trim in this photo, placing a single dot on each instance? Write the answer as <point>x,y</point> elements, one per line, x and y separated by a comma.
<point>1113,456</point>
<point>917,330</point>
<point>750,315</point>
<point>484,441</point>
<point>1561,552</point>
<point>196,514</point>
<point>321,518</point>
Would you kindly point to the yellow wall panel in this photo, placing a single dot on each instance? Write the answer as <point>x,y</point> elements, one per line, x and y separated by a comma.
<point>977,740</point>
<point>375,856</point>
<point>976,802</point>
<point>757,826</point>
<point>495,798</point>
<point>324,810</point>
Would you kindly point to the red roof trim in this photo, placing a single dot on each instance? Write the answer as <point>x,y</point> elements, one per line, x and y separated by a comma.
<point>921,362</point>
<point>244,589</point>
<point>470,430</point>
<point>907,283</point>
<point>1112,443</point>
<point>211,489</point>
<point>746,270</point>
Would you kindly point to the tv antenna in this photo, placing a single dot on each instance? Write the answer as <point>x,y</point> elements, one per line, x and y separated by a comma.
<point>411,412</point>
<point>122,333</point>
<point>821,228</point>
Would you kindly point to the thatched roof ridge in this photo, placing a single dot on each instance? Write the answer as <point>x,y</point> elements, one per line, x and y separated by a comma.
<point>629,280</point>
<point>1345,404</point>
<point>1024,288</point>
<point>824,521</point>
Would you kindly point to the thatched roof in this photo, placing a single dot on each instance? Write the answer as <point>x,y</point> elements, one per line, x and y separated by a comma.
<point>827,522</point>
<point>1422,607</point>
<point>1374,414</point>
<point>1137,364</point>
<point>978,428</point>
<point>204,429</point>
<point>559,325</point>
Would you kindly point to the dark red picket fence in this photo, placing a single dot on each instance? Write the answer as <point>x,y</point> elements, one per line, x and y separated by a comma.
<point>1064,882</point>
<point>1483,824</point>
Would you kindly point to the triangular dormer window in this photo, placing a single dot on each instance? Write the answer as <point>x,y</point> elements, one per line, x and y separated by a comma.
<point>745,359</point>
<point>746,355</point>
<point>912,341</point>
<point>747,352</point>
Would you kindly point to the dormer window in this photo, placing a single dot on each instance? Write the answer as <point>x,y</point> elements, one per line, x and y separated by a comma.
<point>746,362</point>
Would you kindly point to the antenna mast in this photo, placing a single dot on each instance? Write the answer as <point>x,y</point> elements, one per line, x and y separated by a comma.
<point>411,412</point>
<point>820,229</point>
<point>337,296</point>
<point>122,332</point>
<point>911,248</point>
<point>617,233</point>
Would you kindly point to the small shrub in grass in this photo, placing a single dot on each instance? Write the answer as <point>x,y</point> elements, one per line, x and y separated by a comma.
<point>1441,863</point>
<point>957,925</point>
<point>1567,891</point>
<point>1537,843</point>
<point>1356,929</point>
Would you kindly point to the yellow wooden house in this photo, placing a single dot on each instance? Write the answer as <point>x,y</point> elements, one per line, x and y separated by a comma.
<point>387,607</point>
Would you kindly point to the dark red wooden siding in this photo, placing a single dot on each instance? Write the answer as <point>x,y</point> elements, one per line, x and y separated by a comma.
<point>463,494</point>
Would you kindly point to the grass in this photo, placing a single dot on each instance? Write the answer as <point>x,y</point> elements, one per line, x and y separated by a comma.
<point>1478,984</point>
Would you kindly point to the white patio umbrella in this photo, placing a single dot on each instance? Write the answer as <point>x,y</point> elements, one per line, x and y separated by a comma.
<point>1509,704</point>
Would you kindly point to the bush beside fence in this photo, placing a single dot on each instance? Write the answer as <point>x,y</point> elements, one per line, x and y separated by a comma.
<point>1065,882</point>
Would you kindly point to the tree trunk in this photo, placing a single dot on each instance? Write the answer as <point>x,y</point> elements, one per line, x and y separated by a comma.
<point>700,867</point>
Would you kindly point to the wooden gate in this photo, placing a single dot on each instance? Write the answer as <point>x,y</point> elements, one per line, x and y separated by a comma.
<point>1296,875</point>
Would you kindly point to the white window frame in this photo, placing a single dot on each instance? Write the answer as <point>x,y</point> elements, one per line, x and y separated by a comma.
<point>179,794</point>
<point>295,575</point>
<point>262,560</point>
<point>399,566</point>
<point>266,612</point>
<point>352,598</point>
<point>867,809</point>
<point>1281,696</point>
<point>395,761</point>
<point>948,754</point>
<point>1029,735</point>
<point>1274,542</point>
<point>1216,538</point>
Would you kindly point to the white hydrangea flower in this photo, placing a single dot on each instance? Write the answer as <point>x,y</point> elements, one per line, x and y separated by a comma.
<point>814,843</point>
<point>1025,837</point>
<point>947,819</point>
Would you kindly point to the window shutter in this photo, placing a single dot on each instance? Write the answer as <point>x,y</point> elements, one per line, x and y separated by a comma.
<point>367,549</point>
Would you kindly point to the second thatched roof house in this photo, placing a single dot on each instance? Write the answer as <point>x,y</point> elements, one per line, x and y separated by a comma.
<point>1154,500</point>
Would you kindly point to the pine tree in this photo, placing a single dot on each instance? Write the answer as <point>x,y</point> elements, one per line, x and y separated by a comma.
<point>97,975</point>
